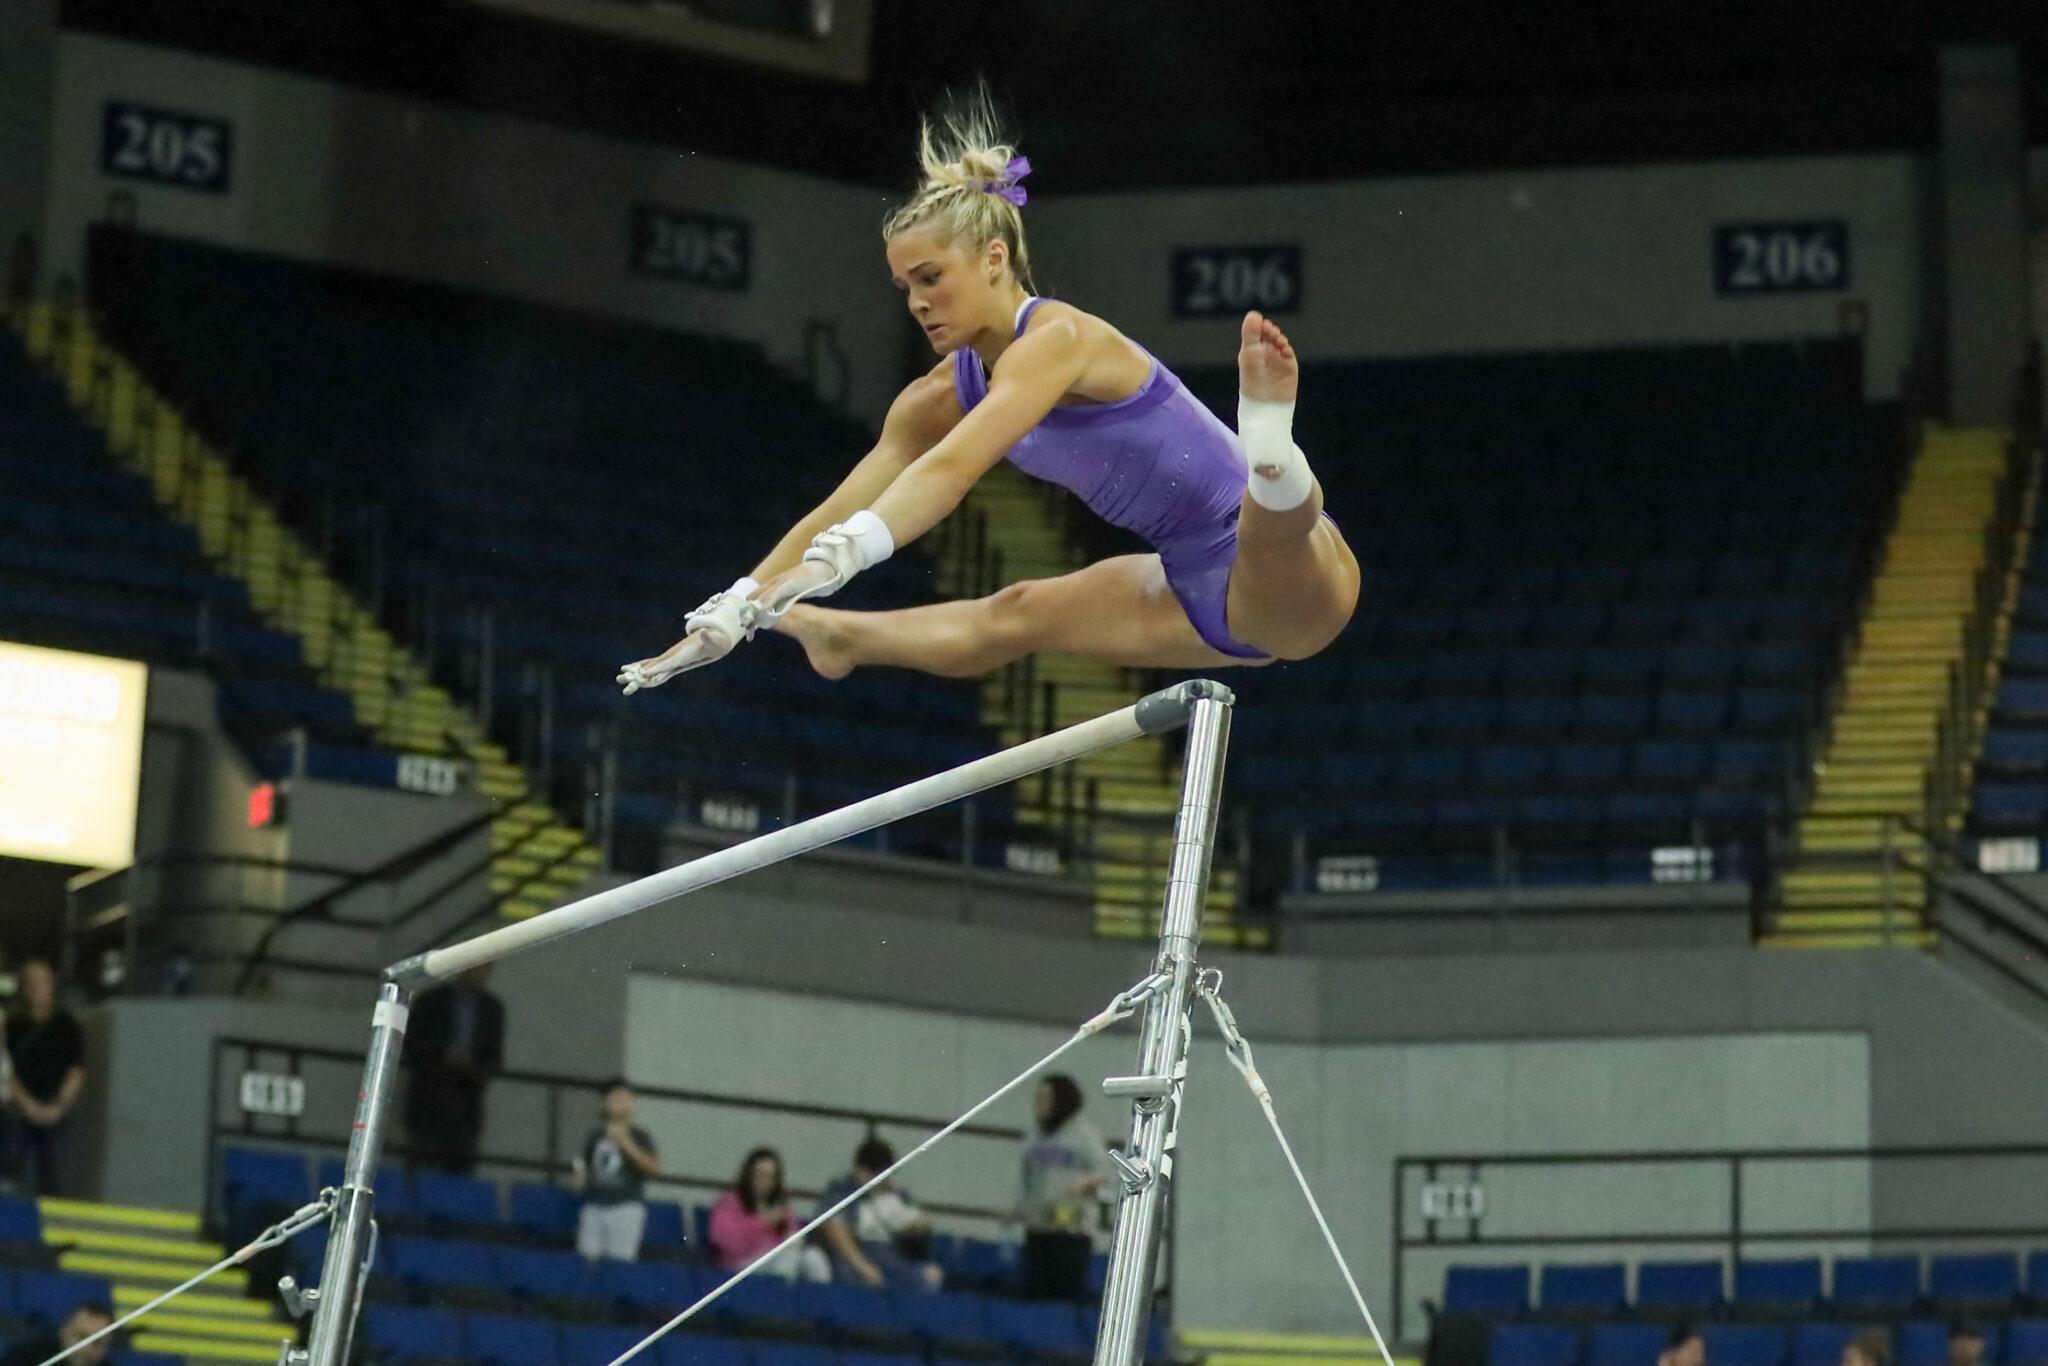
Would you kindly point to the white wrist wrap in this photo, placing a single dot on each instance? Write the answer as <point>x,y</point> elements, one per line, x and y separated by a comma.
<point>860,542</point>
<point>1280,477</point>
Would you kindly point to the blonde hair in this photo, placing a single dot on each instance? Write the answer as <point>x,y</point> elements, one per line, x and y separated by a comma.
<point>962,157</point>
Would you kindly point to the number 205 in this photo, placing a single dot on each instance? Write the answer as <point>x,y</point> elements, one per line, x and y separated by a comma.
<point>169,148</point>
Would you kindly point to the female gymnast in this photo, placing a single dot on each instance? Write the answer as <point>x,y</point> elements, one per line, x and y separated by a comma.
<point>1246,568</point>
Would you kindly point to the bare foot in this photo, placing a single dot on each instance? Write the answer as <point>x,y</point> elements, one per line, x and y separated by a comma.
<point>823,635</point>
<point>1266,368</point>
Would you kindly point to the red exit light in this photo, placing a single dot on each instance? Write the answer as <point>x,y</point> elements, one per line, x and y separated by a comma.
<point>262,805</point>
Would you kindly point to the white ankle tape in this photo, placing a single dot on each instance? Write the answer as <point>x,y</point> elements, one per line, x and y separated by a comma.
<point>1280,477</point>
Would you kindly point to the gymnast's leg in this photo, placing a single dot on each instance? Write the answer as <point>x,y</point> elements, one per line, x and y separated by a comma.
<point>1119,611</point>
<point>1294,584</point>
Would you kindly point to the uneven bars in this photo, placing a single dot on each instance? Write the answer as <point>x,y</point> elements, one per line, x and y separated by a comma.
<point>1154,714</point>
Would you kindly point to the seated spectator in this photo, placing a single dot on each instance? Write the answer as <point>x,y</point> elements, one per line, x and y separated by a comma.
<point>1871,1347</point>
<point>46,1049</point>
<point>612,1173</point>
<point>1965,1343</point>
<point>1066,1171</point>
<point>882,1239</point>
<point>1686,1347</point>
<point>752,1218</point>
<point>79,1325</point>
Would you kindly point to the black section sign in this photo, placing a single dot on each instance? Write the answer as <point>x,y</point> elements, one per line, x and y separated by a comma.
<point>1221,282</point>
<point>190,151</point>
<point>1781,258</point>
<point>698,248</point>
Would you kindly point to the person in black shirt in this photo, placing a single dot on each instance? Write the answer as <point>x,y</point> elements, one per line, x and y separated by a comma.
<point>613,1169</point>
<point>46,1057</point>
<point>455,1045</point>
<point>80,1324</point>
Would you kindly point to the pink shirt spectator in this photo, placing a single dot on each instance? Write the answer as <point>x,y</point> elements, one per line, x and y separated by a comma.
<point>739,1236</point>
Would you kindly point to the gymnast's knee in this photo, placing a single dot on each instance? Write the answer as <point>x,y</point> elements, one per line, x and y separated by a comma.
<point>1014,615</point>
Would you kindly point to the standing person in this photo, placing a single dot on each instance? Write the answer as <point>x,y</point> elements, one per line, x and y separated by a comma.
<point>879,1241</point>
<point>1245,568</point>
<point>1066,1170</point>
<point>754,1216</point>
<point>46,1053</point>
<point>454,1046</point>
<point>612,1172</point>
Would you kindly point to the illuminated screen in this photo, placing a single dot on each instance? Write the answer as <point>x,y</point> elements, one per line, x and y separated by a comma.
<point>70,755</point>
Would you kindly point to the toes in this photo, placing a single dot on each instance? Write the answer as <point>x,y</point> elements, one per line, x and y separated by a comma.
<point>1251,331</point>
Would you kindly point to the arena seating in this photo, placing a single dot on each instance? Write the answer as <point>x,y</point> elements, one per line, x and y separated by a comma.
<point>34,1296</point>
<point>584,481</point>
<point>469,1275</point>
<point>88,561</point>
<point>1603,599</point>
<point>1772,1312</point>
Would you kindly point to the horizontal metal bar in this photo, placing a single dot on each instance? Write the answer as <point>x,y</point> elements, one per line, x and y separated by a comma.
<point>1151,715</point>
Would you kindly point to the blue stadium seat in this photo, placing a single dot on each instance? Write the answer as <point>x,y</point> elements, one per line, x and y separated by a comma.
<point>1922,1342</point>
<point>2026,1342</point>
<point>506,1341</point>
<point>20,1221</point>
<point>1744,1344</point>
<point>1820,1344</point>
<point>694,1349</point>
<point>665,1225</point>
<point>2010,807</point>
<point>947,1317</point>
<point>546,1212</point>
<point>590,1342</point>
<point>262,1177</point>
<point>537,1273</point>
<point>1598,1288</point>
<point>1532,1344</point>
<point>465,1201</point>
<point>439,1263</point>
<point>403,1331</point>
<point>1779,1281</point>
<point>768,1353</point>
<point>1486,1289</point>
<point>1875,1281</point>
<point>1679,1285</point>
<point>2037,1274</point>
<point>1626,1344</point>
<point>52,1295</point>
<point>1993,1276</point>
<point>1037,1329</point>
<point>843,1308</point>
<point>666,1286</point>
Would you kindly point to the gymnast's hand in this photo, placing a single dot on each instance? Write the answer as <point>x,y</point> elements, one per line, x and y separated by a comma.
<point>710,634</point>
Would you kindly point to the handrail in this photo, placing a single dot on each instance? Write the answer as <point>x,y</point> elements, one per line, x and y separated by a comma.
<point>554,1162</point>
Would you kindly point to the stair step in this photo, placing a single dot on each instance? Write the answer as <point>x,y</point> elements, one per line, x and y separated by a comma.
<point>144,1269</point>
<point>55,1210</point>
<point>175,1320</point>
<point>97,1240</point>
<point>197,1302</point>
<point>1834,922</point>
<point>212,1349</point>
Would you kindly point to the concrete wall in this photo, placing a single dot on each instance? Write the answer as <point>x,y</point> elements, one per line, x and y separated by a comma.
<point>425,191</point>
<point>1510,261</point>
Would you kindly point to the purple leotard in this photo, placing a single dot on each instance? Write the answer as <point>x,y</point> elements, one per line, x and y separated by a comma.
<point>1157,463</point>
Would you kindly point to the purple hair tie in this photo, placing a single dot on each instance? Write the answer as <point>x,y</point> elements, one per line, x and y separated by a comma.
<point>1006,187</point>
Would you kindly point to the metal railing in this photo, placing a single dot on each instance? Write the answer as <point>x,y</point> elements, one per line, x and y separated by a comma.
<point>560,1100</point>
<point>1722,1203</point>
